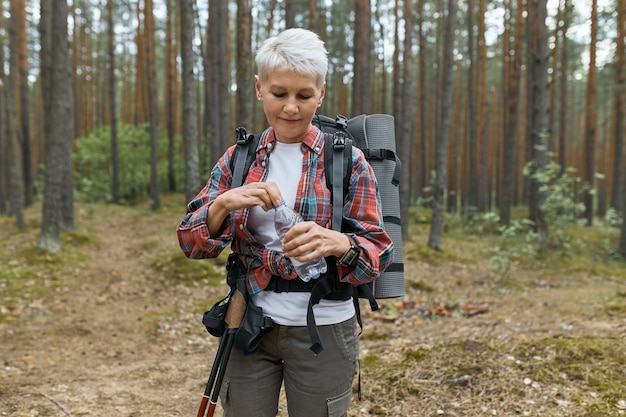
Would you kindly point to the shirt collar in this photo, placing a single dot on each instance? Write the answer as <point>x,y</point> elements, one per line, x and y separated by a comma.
<point>314,139</point>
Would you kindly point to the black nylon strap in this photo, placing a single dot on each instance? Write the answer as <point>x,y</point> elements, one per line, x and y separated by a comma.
<point>392,219</point>
<point>381,154</point>
<point>395,267</point>
<point>339,144</point>
<point>243,143</point>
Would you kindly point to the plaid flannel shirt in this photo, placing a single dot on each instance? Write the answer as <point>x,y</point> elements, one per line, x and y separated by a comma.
<point>361,211</point>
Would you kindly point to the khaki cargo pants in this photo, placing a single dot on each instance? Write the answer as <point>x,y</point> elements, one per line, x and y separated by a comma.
<point>315,385</point>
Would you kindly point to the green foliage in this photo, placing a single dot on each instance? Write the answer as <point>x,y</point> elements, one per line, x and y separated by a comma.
<point>562,208</point>
<point>94,168</point>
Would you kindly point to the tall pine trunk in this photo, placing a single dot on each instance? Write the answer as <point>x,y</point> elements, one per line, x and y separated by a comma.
<point>406,119</point>
<point>190,114</point>
<point>441,151</point>
<point>540,127</point>
<point>115,183</point>
<point>361,87</point>
<point>591,119</point>
<point>619,183</point>
<point>58,131</point>
<point>149,45</point>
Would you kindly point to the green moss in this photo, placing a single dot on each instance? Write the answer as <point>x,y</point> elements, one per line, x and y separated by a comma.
<point>175,266</point>
<point>417,355</point>
<point>370,360</point>
<point>420,285</point>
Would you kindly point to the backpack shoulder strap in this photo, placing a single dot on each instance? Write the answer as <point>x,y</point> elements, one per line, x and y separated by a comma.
<point>338,167</point>
<point>243,155</point>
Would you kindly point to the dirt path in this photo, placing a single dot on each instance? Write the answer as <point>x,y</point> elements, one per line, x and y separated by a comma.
<point>95,348</point>
<point>118,339</point>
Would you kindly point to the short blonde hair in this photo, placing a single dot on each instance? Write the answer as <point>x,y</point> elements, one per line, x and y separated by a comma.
<point>298,50</point>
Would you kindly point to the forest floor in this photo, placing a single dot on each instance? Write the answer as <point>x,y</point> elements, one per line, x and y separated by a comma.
<point>110,326</point>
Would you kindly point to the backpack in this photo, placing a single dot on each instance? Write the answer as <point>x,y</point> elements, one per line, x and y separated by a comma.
<point>374,135</point>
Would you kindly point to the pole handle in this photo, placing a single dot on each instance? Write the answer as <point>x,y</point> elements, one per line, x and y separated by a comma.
<point>236,310</point>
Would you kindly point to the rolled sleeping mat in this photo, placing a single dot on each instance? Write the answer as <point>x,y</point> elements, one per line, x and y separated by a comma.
<point>375,135</point>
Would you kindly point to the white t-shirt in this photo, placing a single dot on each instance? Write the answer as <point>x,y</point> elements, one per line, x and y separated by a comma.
<point>289,309</point>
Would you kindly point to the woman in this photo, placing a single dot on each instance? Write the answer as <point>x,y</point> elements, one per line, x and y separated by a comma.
<point>289,165</point>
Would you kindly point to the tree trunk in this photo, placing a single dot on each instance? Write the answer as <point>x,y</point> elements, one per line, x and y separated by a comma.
<point>58,131</point>
<point>436,225</point>
<point>4,158</point>
<point>422,103</point>
<point>115,162</point>
<point>472,199</point>
<point>619,182</point>
<point>190,114</point>
<point>483,135</point>
<point>513,64</point>
<point>563,86</point>
<point>15,171</point>
<point>404,140</point>
<point>591,118</point>
<point>218,94</point>
<point>538,76</point>
<point>169,99</point>
<point>245,85</point>
<point>18,18</point>
<point>290,14</point>
<point>140,104</point>
<point>149,45</point>
<point>361,86</point>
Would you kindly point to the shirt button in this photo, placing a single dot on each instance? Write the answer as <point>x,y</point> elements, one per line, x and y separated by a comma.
<point>263,164</point>
<point>317,149</point>
<point>241,227</point>
<point>269,146</point>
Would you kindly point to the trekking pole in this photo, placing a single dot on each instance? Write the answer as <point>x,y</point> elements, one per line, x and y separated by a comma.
<point>234,316</point>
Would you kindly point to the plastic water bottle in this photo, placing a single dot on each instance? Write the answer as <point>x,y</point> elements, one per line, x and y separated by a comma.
<point>284,218</point>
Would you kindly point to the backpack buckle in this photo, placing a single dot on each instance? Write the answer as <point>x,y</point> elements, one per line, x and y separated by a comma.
<point>339,141</point>
<point>242,138</point>
<point>341,122</point>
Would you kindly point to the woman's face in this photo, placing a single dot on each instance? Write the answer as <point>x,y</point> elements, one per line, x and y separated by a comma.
<point>289,101</point>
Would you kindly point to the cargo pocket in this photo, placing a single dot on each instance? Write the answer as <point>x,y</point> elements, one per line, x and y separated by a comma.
<point>339,405</point>
<point>225,398</point>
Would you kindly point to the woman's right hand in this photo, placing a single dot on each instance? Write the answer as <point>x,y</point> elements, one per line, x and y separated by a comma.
<point>265,195</point>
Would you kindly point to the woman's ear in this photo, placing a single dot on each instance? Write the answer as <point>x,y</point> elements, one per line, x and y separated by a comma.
<point>322,94</point>
<point>257,87</point>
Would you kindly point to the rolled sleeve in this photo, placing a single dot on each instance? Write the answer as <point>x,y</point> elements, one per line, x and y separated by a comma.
<point>193,232</point>
<point>364,223</point>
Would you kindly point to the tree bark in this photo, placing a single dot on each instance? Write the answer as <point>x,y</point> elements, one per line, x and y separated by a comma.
<point>441,151</point>
<point>170,88</point>
<point>218,91</point>
<point>538,77</point>
<point>155,194</point>
<point>4,159</point>
<point>245,85</point>
<point>513,63</point>
<point>422,102</point>
<point>405,138</point>
<point>361,86</point>
<point>591,118</point>
<point>18,18</point>
<point>58,134</point>
<point>190,114</point>
<point>472,197</point>
<point>619,182</point>
<point>563,67</point>
<point>115,161</point>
